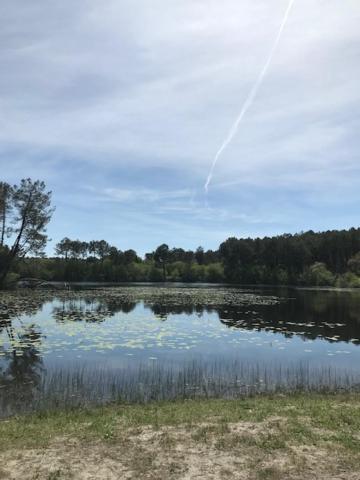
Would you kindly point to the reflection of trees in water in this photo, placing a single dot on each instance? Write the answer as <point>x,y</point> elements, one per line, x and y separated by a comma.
<point>89,309</point>
<point>20,365</point>
<point>13,306</point>
<point>162,311</point>
<point>78,310</point>
<point>97,309</point>
<point>334,316</point>
<point>310,313</point>
<point>122,307</point>
<point>20,361</point>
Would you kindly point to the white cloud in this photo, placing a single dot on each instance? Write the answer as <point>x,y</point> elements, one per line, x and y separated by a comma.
<point>140,194</point>
<point>167,78</point>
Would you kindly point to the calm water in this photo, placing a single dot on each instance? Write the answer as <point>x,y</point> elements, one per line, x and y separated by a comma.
<point>79,340</point>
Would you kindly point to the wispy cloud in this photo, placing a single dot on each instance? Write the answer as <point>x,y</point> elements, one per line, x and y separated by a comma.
<point>141,194</point>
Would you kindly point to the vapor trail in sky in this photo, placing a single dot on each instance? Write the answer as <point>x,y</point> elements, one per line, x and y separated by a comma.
<point>251,96</point>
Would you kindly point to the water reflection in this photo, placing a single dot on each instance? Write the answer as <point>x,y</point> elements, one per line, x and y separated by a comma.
<point>162,312</point>
<point>37,327</point>
<point>330,315</point>
<point>21,364</point>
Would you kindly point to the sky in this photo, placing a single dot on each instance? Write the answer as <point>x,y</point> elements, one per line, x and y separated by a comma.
<point>121,105</point>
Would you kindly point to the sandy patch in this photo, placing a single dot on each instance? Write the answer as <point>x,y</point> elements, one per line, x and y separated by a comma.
<point>202,452</point>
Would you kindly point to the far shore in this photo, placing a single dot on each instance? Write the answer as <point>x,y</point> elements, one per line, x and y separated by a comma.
<point>192,285</point>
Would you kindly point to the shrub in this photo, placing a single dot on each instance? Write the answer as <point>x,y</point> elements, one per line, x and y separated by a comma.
<point>348,280</point>
<point>318,275</point>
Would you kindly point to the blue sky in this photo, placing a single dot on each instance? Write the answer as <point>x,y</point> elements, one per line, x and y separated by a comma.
<point>120,106</point>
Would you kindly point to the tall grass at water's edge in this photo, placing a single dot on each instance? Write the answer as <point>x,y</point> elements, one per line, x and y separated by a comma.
<point>195,379</point>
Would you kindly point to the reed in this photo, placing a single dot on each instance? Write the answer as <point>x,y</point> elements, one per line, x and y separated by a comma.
<point>144,383</point>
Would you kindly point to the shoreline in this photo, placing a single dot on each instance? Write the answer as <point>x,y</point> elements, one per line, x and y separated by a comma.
<point>265,437</point>
<point>169,284</point>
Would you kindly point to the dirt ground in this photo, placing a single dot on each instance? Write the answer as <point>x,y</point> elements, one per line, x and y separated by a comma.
<point>242,450</point>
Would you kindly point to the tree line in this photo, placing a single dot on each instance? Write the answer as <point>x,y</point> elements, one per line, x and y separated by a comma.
<point>329,258</point>
<point>97,260</point>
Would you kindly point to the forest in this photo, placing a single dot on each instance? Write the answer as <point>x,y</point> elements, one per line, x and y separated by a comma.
<point>330,258</point>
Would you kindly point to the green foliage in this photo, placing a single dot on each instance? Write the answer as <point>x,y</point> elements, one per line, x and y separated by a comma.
<point>348,280</point>
<point>215,273</point>
<point>79,270</point>
<point>25,211</point>
<point>354,264</point>
<point>155,274</point>
<point>277,261</point>
<point>161,257</point>
<point>307,258</point>
<point>281,276</point>
<point>11,279</point>
<point>82,261</point>
<point>319,276</point>
<point>6,205</point>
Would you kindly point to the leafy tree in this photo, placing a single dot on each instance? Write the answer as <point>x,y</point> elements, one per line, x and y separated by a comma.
<point>318,275</point>
<point>200,256</point>
<point>30,212</point>
<point>237,256</point>
<point>161,257</point>
<point>215,273</point>
<point>155,274</point>
<point>211,257</point>
<point>99,248</point>
<point>93,247</point>
<point>348,280</point>
<point>177,255</point>
<point>130,256</point>
<point>354,264</point>
<point>102,249</point>
<point>6,193</point>
<point>63,248</point>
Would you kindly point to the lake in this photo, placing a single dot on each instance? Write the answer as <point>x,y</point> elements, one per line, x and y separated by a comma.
<point>154,342</point>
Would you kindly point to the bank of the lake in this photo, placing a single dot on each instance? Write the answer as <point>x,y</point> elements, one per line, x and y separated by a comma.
<point>265,437</point>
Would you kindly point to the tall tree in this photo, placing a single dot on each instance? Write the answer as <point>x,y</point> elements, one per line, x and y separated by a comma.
<point>30,213</point>
<point>103,249</point>
<point>161,256</point>
<point>6,192</point>
<point>63,248</point>
<point>199,255</point>
<point>99,248</point>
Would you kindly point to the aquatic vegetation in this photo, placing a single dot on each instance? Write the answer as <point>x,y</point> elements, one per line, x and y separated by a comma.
<point>144,383</point>
<point>140,337</point>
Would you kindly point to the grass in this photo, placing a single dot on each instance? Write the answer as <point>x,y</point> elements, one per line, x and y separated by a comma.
<point>271,436</point>
<point>338,415</point>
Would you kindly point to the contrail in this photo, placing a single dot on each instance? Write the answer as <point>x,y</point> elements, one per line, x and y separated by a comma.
<point>251,97</point>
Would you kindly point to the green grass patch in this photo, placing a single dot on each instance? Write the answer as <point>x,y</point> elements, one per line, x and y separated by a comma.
<point>303,419</point>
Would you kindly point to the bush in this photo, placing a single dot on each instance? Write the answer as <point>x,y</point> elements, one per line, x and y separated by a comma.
<point>319,276</point>
<point>348,280</point>
<point>156,275</point>
<point>215,273</point>
<point>281,276</point>
<point>11,279</point>
<point>354,264</point>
